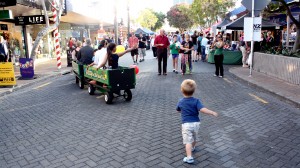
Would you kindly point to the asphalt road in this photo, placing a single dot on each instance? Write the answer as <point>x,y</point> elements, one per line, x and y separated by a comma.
<point>55,124</point>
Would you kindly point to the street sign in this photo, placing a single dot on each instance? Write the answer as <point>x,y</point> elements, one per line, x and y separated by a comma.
<point>7,74</point>
<point>252,25</point>
<point>5,3</point>
<point>6,14</point>
<point>30,20</point>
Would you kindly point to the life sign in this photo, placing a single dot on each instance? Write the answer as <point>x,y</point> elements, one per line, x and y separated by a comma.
<point>30,20</point>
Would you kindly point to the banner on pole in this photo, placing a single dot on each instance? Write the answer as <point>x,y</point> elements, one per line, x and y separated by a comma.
<point>252,25</point>
<point>7,74</point>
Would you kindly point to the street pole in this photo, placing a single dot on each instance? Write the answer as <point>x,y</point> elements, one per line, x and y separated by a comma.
<point>128,22</point>
<point>252,40</point>
<point>116,23</point>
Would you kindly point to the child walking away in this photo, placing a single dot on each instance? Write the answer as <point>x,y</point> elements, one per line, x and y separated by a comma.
<point>186,58</point>
<point>175,46</point>
<point>189,107</point>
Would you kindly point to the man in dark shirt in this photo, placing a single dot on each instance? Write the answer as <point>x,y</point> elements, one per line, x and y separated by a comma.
<point>85,54</point>
<point>162,43</point>
<point>142,47</point>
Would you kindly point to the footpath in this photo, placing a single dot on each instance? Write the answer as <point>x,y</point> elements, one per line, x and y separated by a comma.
<point>43,70</point>
<point>286,91</point>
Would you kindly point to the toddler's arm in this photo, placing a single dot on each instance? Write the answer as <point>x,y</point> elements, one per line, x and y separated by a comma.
<point>210,112</point>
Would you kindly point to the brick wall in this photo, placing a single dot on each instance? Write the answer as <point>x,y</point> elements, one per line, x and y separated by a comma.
<point>282,67</point>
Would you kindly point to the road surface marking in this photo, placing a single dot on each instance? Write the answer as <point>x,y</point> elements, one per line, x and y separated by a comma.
<point>258,98</point>
<point>43,85</point>
<point>227,80</point>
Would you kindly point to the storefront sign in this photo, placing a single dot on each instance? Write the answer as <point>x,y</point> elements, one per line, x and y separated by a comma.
<point>4,27</point>
<point>26,67</point>
<point>30,20</point>
<point>5,3</point>
<point>7,74</point>
<point>6,14</point>
<point>252,29</point>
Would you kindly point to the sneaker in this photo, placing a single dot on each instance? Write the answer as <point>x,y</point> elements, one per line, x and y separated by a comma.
<point>174,70</point>
<point>220,76</point>
<point>165,74</point>
<point>159,74</point>
<point>215,75</point>
<point>188,160</point>
<point>196,61</point>
<point>194,149</point>
<point>140,60</point>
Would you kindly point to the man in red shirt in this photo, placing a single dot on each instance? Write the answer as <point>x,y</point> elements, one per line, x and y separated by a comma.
<point>162,43</point>
<point>133,43</point>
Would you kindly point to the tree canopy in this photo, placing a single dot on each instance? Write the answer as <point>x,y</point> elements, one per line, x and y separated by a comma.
<point>161,20</point>
<point>206,12</point>
<point>147,18</point>
<point>179,16</point>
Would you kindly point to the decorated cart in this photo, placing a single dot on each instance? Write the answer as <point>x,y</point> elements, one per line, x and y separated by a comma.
<point>111,82</point>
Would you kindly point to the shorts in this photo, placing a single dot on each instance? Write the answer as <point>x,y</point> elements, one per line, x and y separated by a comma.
<point>195,47</point>
<point>142,51</point>
<point>189,132</point>
<point>175,56</point>
<point>134,52</point>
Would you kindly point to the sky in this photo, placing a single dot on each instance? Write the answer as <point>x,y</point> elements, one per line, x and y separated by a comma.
<point>104,9</point>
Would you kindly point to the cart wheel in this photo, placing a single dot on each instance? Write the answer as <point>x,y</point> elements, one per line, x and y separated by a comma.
<point>91,89</point>
<point>127,94</point>
<point>76,79</point>
<point>81,84</point>
<point>109,97</point>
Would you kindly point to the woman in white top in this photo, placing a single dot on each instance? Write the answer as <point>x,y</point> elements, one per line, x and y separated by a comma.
<point>154,49</point>
<point>100,55</point>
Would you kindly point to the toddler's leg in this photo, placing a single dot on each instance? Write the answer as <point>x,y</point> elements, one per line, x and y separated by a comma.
<point>188,150</point>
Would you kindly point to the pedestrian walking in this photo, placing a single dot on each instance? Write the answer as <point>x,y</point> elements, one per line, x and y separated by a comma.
<point>142,47</point>
<point>186,59</point>
<point>218,56</point>
<point>133,43</point>
<point>179,39</point>
<point>199,40</point>
<point>154,49</point>
<point>194,52</point>
<point>3,50</point>
<point>86,53</point>
<point>162,43</point>
<point>204,43</point>
<point>75,52</point>
<point>189,107</point>
<point>175,47</point>
<point>243,49</point>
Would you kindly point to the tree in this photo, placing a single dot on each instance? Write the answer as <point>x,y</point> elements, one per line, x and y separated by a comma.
<point>179,16</point>
<point>147,18</point>
<point>161,20</point>
<point>281,6</point>
<point>59,8</point>
<point>209,11</point>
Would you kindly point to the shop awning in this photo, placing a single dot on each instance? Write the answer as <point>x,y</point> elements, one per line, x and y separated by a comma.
<point>223,23</point>
<point>144,31</point>
<point>239,24</point>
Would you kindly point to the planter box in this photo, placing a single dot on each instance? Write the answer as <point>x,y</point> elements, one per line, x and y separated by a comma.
<point>282,67</point>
